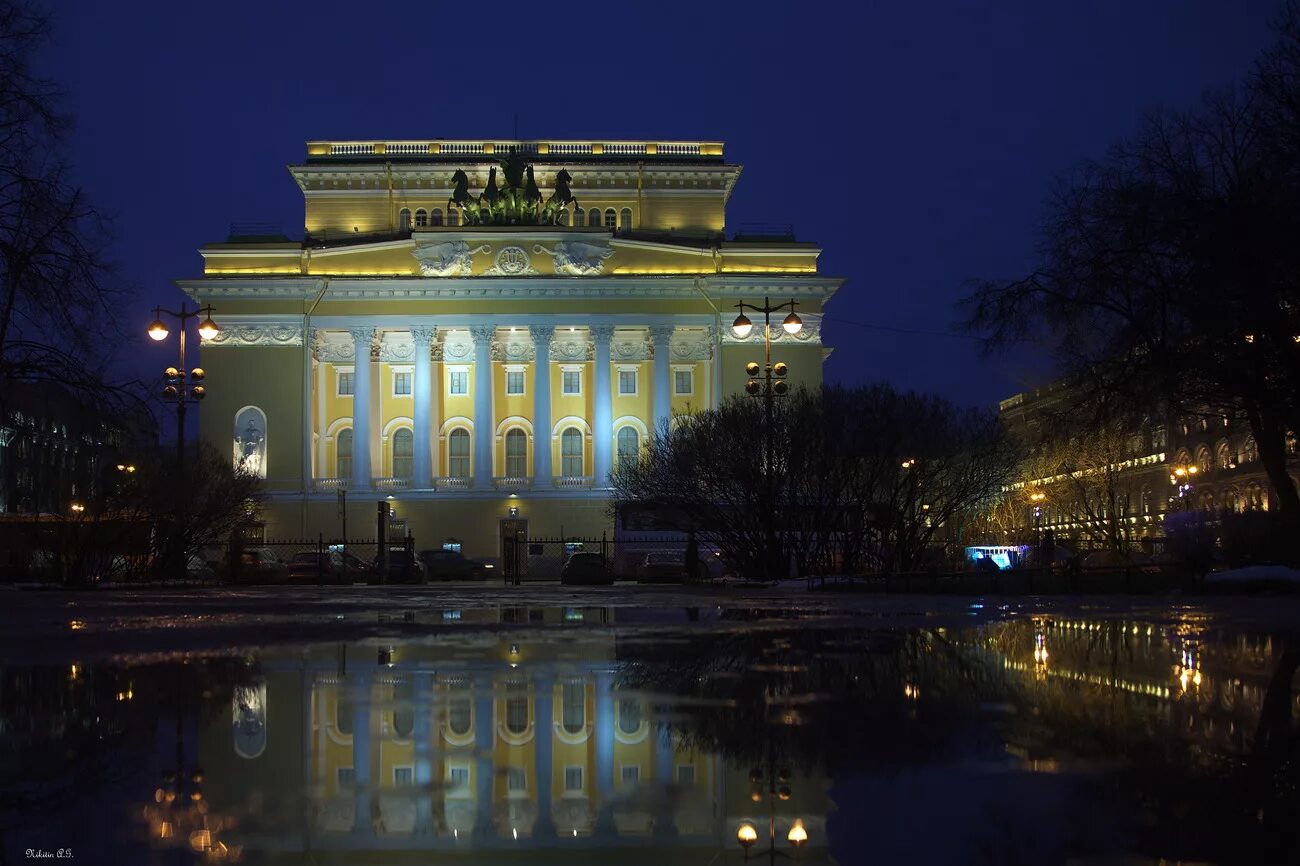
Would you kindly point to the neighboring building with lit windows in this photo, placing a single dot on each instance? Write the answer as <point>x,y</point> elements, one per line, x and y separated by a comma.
<point>1228,473</point>
<point>427,345</point>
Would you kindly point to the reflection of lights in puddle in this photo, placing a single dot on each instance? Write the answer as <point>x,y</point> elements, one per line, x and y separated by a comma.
<point>911,691</point>
<point>514,831</point>
<point>77,625</point>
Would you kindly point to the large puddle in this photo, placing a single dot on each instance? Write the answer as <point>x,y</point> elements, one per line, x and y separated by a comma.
<point>667,735</point>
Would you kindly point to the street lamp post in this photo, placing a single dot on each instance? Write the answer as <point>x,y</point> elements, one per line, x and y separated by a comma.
<point>767,382</point>
<point>1181,478</point>
<point>777,784</point>
<point>178,389</point>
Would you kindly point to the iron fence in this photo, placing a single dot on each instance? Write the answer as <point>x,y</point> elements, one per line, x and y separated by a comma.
<point>318,561</point>
<point>658,559</point>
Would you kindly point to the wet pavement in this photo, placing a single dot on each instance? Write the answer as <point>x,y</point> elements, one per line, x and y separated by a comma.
<point>483,724</point>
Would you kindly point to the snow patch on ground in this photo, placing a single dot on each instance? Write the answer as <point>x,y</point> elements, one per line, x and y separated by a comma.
<point>1256,573</point>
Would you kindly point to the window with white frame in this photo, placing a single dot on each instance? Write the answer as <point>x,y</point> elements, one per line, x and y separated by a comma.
<point>574,715</point>
<point>402,384</point>
<point>627,381</point>
<point>683,382</point>
<point>514,382</point>
<point>611,218</point>
<point>573,778</point>
<point>347,776</point>
<point>403,453</point>
<point>516,453</point>
<point>593,217</point>
<point>404,218</point>
<point>570,383</point>
<point>630,774</point>
<point>458,453</point>
<point>458,776</point>
<point>453,217</point>
<point>403,777</point>
<point>516,708</point>
<point>435,217</point>
<point>458,382</point>
<point>571,463</point>
<point>579,216</point>
<point>629,445</point>
<point>421,218</point>
<point>625,219</point>
<point>343,454</point>
<point>347,383</point>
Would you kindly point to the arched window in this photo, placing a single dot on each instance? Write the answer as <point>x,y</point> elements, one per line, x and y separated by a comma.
<point>403,709</point>
<point>516,453</point>
<point>578,216</point>
<point>453,217</point>
<point>404,218</point>
<point>625,219</point>
<point>1249,451</point>
<point>1203,459</point>
<point>629,445</point>
<point>403,452</point>
<point>571,452</point>
<point>458,453</point>
<point>1223,456</point>
<point>250,441</point>
<point>574,708</point>
<point>611,218</point>
<point>564,217</point>
<point>459,710</point>
<point>343,454</point>
<point>435,217</point>
<point>516,708</point>
<point>421,218</point>
<point>629,715</point>
<point>593,217</point>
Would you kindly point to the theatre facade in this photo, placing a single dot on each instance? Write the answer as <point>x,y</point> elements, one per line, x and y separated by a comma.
<point>478,331</point>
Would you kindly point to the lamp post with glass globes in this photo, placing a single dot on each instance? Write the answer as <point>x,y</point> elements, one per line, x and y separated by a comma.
<point>180,389</point>
<point>767,382</point>
<point>1181,478</point>
<point>777,784</point>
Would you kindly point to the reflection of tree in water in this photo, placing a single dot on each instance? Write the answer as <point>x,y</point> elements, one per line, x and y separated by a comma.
<point>837,700</point>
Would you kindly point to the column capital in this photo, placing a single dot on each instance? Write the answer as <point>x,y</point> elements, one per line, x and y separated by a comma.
<point>661,333</point>
<point>423,336</point>
<point>602,333</point>
<point>542,335</point>
<point>362,336</point>
<point>482,334</point>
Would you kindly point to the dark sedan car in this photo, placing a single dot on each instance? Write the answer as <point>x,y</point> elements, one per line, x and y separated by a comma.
<point>586,569</point>
<point>451,565</point>
<point>403,567</point>
<point>313,567</point>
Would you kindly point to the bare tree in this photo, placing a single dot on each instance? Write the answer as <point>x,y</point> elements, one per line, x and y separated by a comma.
<point>1169,275</point>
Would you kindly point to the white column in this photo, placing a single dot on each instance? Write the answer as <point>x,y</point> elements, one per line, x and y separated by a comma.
<point>322,400</point>
<point>542,337</point>
<point>361,340</point>
<point>715,368</point>
<point>662,336</point>
<point>602,426</point>
<point>423,393</point>
<point>484,424</point>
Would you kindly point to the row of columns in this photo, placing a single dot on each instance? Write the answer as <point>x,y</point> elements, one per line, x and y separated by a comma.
<point>422,389</point>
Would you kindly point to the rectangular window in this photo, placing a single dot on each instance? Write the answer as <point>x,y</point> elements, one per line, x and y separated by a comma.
<point>403,776</point>
<point>458,382</point>
<point>515,382</point>
<point>458,777</point>
<point>347,776</point>
<point>516,779</point>
<point>573,778</point>
<point>631,774</point>
<point>347,384</point>
<point>683,382</point>
<point>571,383</point>
<point>627,381</point>
<point>401,384</point>
<point>686,775</point>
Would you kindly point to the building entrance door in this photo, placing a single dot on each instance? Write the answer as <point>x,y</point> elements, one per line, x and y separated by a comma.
<point>514,548</point>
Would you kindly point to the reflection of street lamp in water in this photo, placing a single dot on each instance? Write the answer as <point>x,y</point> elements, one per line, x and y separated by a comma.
<point>747,833</point>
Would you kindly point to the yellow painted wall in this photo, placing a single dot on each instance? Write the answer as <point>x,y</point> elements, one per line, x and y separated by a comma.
<point>269,377</point>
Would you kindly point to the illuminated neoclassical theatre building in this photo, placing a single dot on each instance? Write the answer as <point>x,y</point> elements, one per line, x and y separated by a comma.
<point>478,330</point>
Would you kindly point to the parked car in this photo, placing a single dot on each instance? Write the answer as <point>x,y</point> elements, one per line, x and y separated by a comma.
<point>261,565</point>
<point>316,567</point>
<point>664,566</point>
<point>451,565</point>
<point>404,568</point>
<point>196,567</point>
<point>585,569</point>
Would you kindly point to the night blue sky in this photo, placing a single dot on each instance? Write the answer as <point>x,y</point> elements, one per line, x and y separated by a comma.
<point>913,140</point>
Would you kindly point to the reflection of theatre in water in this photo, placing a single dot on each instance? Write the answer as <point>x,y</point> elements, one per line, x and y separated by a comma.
<point>489,742</point>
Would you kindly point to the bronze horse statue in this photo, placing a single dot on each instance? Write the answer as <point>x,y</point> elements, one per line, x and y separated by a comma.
<point>461,198</point>
<point>532,195</point>
<point>559,199</point>
<point>490,201</point>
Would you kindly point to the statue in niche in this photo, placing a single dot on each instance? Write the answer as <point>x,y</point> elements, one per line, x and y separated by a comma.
<point>576,259</point>
<point>250,450</point>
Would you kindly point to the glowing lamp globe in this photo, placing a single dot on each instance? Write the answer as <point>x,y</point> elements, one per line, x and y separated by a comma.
<point>742,326</point>
<point>798,835</point>
<point>208,329</point>
<point>792,324</point>
<point>746,835</point>
<point>157,331</point>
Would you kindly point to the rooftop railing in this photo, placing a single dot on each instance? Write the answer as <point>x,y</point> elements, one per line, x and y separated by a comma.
<point>495,147</point>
